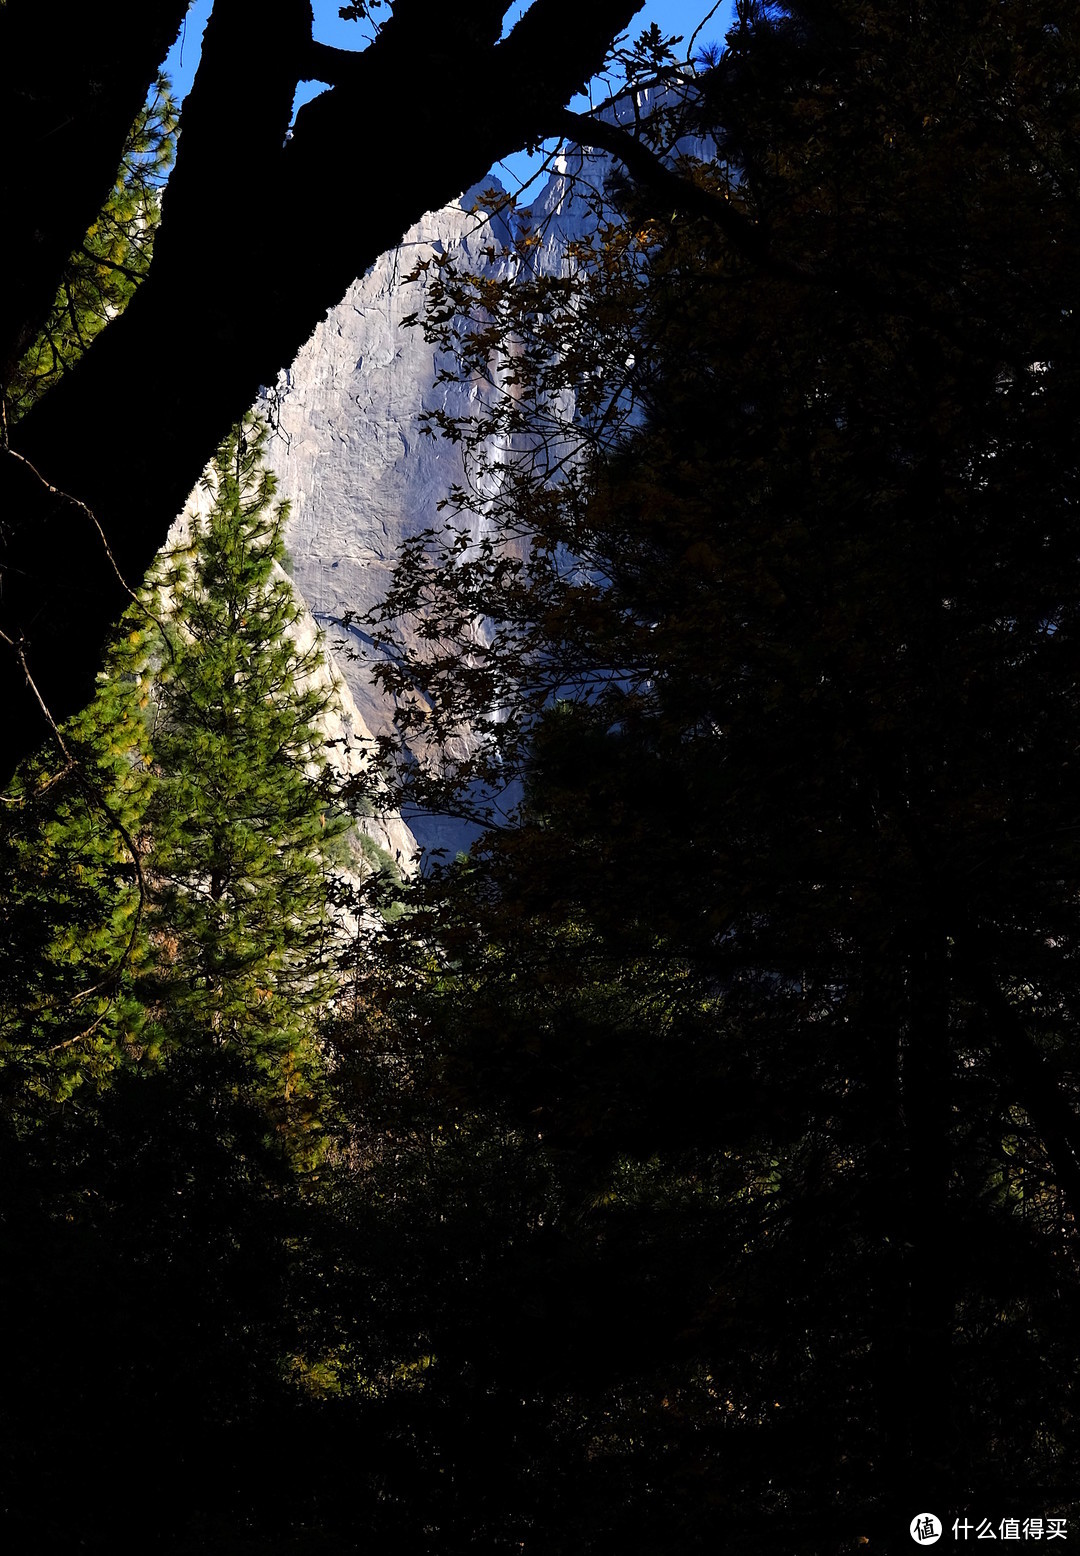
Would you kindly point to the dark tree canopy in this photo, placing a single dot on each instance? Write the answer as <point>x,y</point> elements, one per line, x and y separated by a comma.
<point>703,1156</point>
<point>259,237</point>
<point>772,986</point>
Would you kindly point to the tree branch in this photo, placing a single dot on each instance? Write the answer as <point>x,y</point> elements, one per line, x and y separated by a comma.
<point>677,191</point>
<point>69,94</point>
<point>221,331</point>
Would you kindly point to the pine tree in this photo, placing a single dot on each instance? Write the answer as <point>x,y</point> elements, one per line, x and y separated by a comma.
<point>73,921</point>
<point>244,823</point>
<point>72,924</point>
<point>170,856</point>
<point>167,948</point>
<point>102,274</point>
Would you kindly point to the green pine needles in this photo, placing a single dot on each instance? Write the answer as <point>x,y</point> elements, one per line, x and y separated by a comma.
<point>244,817</point>
<point>102,274</point>
<point>171,882</point>
<point>73,931</point>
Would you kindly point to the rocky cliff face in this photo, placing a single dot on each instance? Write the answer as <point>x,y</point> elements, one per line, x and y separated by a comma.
<point>348,448</point>
<point>351,457</point>
<point>349,744</point>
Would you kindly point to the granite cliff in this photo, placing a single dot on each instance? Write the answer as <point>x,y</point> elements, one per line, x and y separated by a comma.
<point>348,447</point>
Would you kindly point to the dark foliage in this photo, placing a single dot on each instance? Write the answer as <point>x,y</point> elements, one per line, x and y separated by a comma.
<point>772,985</point>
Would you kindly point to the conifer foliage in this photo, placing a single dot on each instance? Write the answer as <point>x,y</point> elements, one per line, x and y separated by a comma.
<point>244,819</point>
<point>168,944</point>
<point>73,925</point>
<point>101,276</point>
<point>172,859</point>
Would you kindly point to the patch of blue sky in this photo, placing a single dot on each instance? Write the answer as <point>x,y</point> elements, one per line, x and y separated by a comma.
<point>696,22</point>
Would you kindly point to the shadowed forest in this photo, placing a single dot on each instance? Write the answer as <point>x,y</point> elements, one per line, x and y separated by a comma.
<point>693,1165</point>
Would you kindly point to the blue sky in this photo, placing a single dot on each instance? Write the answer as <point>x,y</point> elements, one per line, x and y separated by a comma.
<point>674,17</point>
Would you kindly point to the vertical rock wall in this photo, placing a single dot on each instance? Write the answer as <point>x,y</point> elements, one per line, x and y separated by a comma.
<point>348,448</point>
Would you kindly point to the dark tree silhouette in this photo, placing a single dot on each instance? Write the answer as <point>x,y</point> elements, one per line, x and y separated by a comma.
<point>259,237</point>
<point>772,984</point>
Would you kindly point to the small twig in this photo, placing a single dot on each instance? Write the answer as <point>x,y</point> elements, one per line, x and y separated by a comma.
<point>93,795</point>
<point>98,802</point>
<point>113,264</point>
<point>700,28</point>
<point>77,502</point>
<point>20,654</point>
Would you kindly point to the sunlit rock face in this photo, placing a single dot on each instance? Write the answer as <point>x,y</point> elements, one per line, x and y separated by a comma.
<point>352,458</point>
<point>348,448</point>
<point>348,743</point>
<point>350,747</point>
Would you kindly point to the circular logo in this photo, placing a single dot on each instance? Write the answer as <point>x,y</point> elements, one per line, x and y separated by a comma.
<point>925,1529</point>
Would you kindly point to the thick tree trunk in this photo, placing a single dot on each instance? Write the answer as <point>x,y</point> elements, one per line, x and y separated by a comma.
<point>259,238</point>
<point>70,89</point>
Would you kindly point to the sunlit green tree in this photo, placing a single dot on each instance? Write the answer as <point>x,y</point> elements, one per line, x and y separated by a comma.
<point>101,275</point>
<point>168,943</point>
<point>244,823</point>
